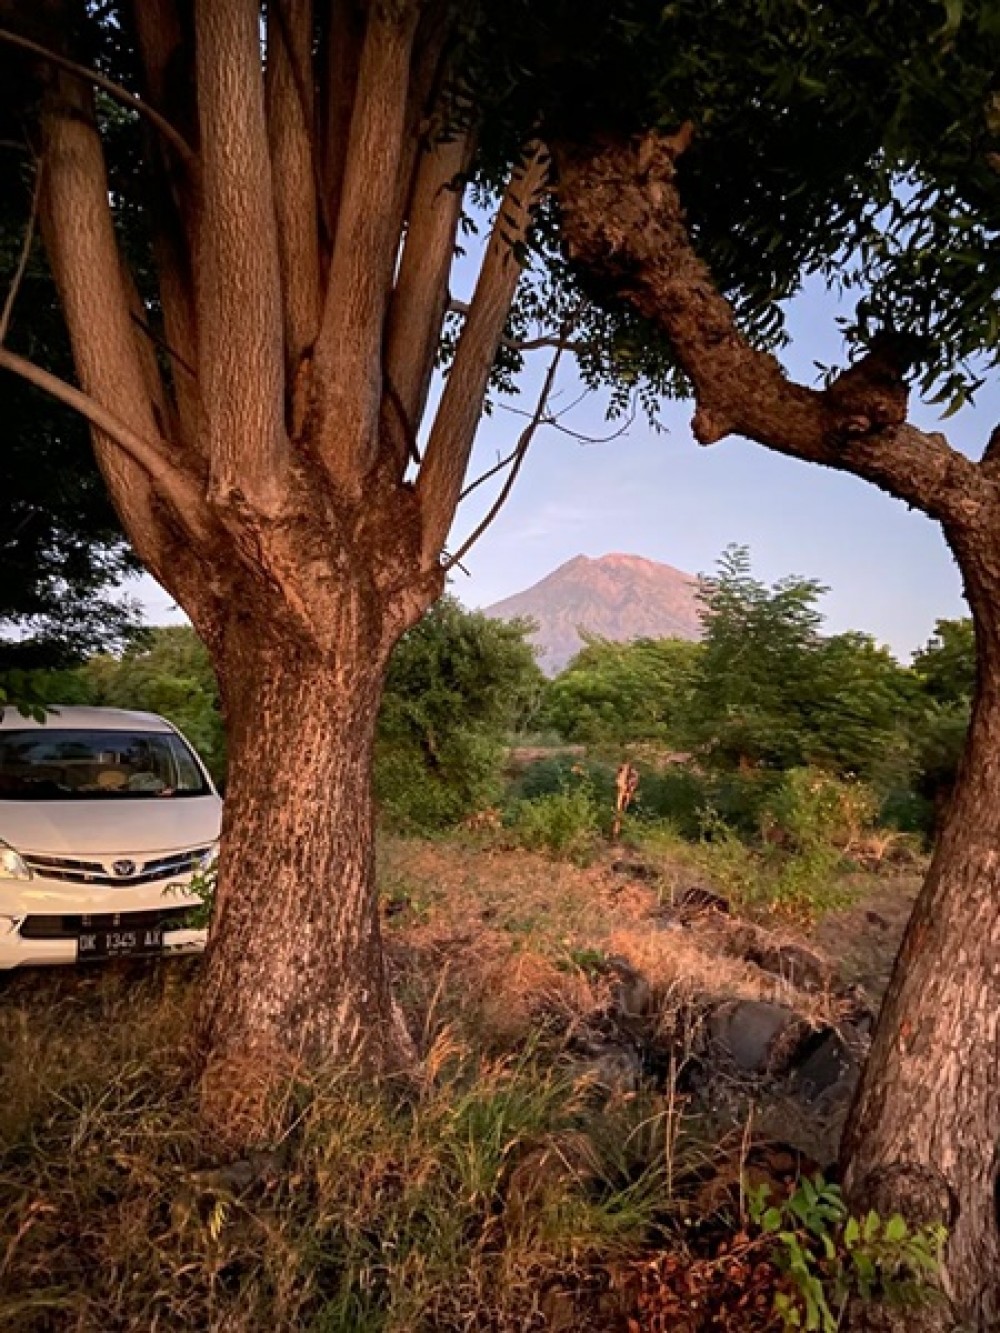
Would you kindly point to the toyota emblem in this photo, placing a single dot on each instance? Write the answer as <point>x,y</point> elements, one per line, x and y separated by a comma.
<point>124,869</point>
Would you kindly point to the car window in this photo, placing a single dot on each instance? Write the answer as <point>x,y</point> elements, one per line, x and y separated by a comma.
<point>49,764</point>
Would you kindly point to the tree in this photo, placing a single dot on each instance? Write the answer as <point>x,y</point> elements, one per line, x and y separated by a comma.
<point>257,383</point>
<point>251,216</point>
<point>771,691</point>
<point>946,670</point>
<point>757,671</point>
<point>620,693</point>
<point>458,684</point>
<point>925,1127</point>
<point>946,665</point>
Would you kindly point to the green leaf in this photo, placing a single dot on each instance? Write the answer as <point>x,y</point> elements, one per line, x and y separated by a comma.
<point>771,1220</point>
<point>896,1229</point>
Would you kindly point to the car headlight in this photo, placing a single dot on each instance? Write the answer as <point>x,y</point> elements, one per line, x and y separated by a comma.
<point>11,865</point>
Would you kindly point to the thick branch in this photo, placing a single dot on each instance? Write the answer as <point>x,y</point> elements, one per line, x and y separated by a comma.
<point>419,301</point>
<point>347,380</point>
<point>80,240</point>
<point>624,226</point>
<point>427,69</point>
<point>115,90</point>
<point>241,353</point>
<point>343,35</point>
<point>450,443</point>
<point>289,94</point>
<point>166,49</point>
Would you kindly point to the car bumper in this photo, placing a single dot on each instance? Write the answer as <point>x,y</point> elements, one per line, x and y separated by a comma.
<point>23,902</point>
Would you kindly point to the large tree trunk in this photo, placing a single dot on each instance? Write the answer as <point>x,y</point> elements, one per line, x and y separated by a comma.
<point>295,968</point>
<point>924,1137</point>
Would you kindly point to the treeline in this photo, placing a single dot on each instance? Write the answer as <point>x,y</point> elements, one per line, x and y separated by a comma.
<point>766,692</point>
<point>713,726</point>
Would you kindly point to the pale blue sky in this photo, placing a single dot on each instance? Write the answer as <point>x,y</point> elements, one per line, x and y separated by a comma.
<point>664,497</point>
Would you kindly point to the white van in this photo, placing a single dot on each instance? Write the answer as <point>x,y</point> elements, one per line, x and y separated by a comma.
<point>105,815</point>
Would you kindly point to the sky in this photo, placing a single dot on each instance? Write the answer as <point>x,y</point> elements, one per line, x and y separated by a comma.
<point>662,496</point>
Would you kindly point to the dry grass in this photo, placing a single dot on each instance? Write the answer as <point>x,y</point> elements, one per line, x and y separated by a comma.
<point>496,1192</point>
<point>461,1201</point>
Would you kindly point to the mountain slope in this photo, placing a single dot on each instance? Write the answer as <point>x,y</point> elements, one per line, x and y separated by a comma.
<point>618,597</point>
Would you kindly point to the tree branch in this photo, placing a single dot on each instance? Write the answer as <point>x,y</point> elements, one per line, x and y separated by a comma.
<point>290,113</point>
<point>241,346</point>
<point>343,39</point>
<point>175,485</point>
<point>166,51</point>
<point>538,418</point>
<point>417,306</point>
<point>461,308</point>
<point>346,392</point>
<point>419,127</point>
<point>25,254</point>
<point>80,240</point>
<point>115,90</point>
<point>450,444</point>
<point>625,227</point>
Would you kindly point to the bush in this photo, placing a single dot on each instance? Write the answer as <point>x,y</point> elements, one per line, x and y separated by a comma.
<point>559,771</point>
<point>810,822</point>
<point>676,794</point>
<point>563,823</point>
<point>833,1259</point>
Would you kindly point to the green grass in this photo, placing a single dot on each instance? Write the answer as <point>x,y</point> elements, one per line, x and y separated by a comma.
<point>462,1199</point>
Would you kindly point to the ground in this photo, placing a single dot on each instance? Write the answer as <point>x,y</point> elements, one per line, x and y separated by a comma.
<point>585,1095</point>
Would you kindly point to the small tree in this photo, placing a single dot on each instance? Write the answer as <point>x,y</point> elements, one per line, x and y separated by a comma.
<point>615,694</point>
<point>458,684</point>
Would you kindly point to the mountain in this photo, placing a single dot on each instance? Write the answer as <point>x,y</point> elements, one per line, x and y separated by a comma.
<point>618,597</point>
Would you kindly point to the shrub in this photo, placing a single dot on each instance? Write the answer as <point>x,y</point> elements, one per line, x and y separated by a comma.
<point>563,823</point>
<point>833,1258</point>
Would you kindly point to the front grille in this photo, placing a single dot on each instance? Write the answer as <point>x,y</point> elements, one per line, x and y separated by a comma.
<point>71,870</point>
<point>71,927</point>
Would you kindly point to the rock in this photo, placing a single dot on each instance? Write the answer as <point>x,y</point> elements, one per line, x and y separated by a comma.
<point>612,1067</point>
<point>756,1036</point>
<point>793,963</point>
<point>827,1067</point>
<point>236,1177</point>
<point>632,992</point>
<point>637,870</point>
<point>696,901</point>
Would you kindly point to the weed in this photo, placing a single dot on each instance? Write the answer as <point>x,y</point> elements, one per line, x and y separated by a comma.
<point>833,1258</point>
<point>563,823</point>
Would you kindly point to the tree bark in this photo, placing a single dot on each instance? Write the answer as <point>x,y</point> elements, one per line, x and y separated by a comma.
<point>924,1136</point>
<point>295,970</point>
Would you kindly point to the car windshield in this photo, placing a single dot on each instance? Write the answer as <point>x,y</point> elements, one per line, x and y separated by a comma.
<point>46,764</point>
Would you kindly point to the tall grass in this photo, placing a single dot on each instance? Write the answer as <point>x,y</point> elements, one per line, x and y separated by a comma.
<point>472,1197</point>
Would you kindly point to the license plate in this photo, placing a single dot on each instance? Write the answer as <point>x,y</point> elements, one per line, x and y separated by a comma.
<point>136,940</point>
